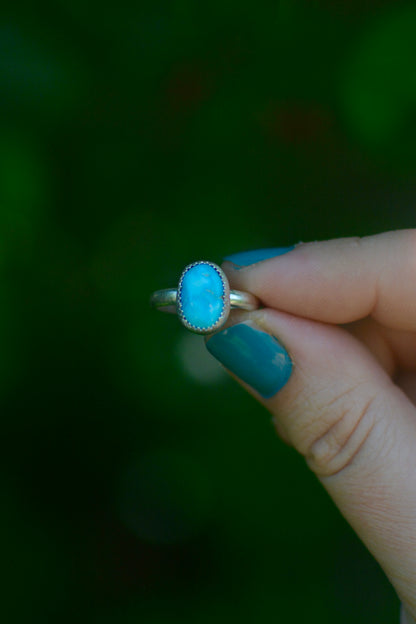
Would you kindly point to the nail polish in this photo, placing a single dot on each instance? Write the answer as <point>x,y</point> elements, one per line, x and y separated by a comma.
<point>254,356</point>
<point>246,258</point>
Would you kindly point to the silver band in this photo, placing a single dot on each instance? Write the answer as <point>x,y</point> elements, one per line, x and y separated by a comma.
<point>165,300</point>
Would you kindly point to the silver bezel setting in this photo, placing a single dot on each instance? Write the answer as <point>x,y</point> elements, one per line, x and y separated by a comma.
<point>225,297</point>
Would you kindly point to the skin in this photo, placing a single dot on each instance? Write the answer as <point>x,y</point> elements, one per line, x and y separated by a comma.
<point>345,310</point>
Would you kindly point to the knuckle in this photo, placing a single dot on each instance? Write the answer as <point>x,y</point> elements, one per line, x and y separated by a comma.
<point>342,431</point>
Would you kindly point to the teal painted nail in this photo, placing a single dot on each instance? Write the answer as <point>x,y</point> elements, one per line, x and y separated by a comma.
<point>254,356</point>
<point>245,258</point>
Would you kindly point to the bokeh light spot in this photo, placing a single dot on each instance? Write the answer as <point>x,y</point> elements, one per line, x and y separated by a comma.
<point>195,360</point>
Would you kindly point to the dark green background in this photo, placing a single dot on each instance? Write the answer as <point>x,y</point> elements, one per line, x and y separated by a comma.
<point>138,483</point>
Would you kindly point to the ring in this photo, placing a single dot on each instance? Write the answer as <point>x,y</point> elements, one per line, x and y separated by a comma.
<point>203,299</point>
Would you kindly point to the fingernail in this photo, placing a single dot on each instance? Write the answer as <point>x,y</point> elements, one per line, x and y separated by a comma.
<point>245,258</point>
<point>254,356</point>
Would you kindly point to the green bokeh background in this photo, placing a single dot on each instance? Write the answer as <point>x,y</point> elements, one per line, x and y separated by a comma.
<point>139,484</point>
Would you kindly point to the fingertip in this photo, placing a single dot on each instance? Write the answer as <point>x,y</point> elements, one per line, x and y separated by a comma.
<point>253,256</point>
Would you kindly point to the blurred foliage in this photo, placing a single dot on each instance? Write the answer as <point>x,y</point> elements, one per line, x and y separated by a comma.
<point>138,483</point>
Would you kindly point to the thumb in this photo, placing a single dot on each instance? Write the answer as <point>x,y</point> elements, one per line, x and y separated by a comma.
<point>337,406</point>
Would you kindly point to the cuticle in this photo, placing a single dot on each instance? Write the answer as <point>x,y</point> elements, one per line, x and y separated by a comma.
<point>260,321</point>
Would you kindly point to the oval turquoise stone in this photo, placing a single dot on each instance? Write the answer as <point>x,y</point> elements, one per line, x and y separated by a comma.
<point>201,296</point>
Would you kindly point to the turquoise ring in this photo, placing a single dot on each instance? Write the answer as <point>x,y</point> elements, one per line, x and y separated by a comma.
<point>203,299</point>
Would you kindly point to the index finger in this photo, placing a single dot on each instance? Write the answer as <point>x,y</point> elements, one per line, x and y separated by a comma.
<point>339,280</point>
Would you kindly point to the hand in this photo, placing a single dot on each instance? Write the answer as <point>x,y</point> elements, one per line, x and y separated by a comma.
<point>332,355</point>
